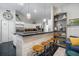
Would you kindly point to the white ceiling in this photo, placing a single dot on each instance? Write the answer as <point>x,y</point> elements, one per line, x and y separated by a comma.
<point>43,9</point>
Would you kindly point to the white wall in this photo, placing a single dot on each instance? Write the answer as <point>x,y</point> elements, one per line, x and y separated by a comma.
<point>57,9</point>
<point>72,12</point>
<point>51,25</point>
<point>7,27</point>
<point>32,25</point>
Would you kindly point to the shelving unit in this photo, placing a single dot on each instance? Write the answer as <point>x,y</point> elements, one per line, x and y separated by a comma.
<point>60,24</point>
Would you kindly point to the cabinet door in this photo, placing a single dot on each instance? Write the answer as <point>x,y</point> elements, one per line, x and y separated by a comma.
<point>5,31</point>
<point>0,33</point>
<point>11,29</point>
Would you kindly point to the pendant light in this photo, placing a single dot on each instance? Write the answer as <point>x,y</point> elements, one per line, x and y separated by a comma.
<point>35,11</point>
<point>28,13</point>
<point>44,20</point>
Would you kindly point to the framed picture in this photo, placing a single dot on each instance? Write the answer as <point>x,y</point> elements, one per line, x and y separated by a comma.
<point>74,22</point>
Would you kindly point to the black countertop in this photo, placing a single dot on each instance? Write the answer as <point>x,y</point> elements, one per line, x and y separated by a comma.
<point>31,33</point>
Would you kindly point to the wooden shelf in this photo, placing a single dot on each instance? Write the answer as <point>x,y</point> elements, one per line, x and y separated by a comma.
<point>61,20</point>
<point>59,14</point>
<point>62,45</point>
<point>60,37</point>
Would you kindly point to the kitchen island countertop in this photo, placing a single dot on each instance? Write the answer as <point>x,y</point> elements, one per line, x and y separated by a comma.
<point>31,33</point>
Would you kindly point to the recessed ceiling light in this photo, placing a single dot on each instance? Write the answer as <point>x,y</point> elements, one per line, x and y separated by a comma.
<point>21,4</point>
<point>35,11</point>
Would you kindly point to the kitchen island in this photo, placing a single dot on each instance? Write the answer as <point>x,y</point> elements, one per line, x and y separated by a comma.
<point>25,41</point>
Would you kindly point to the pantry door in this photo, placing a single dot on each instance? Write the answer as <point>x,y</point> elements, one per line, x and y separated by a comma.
<point>0,31</point>
<point>5,31</point>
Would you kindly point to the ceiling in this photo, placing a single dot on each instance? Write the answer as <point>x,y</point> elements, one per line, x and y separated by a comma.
<point>42,9</point>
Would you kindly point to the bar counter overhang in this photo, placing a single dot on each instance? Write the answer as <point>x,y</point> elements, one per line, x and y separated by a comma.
<point>31,33</point>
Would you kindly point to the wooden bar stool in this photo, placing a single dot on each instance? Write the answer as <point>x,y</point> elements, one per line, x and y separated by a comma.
<point>38,49</point>
<point>51,44</point>
<point>45,44</point>
<point>50,41</point>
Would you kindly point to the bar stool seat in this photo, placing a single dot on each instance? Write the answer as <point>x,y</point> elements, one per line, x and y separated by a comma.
<point>50,40</point>
<point>45,43</point>
<point>38,48</point>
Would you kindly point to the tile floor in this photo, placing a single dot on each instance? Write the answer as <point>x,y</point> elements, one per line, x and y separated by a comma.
<point>60,52</point>
<point>7,49</point>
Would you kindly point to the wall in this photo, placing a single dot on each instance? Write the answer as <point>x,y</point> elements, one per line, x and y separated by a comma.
<point>72,12</point>
<point>49,27</point>
<point>7,27</point>
<point>57,9</point>
<point>51,20</point>
<point>32,25</point>
<point>21,16</point>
